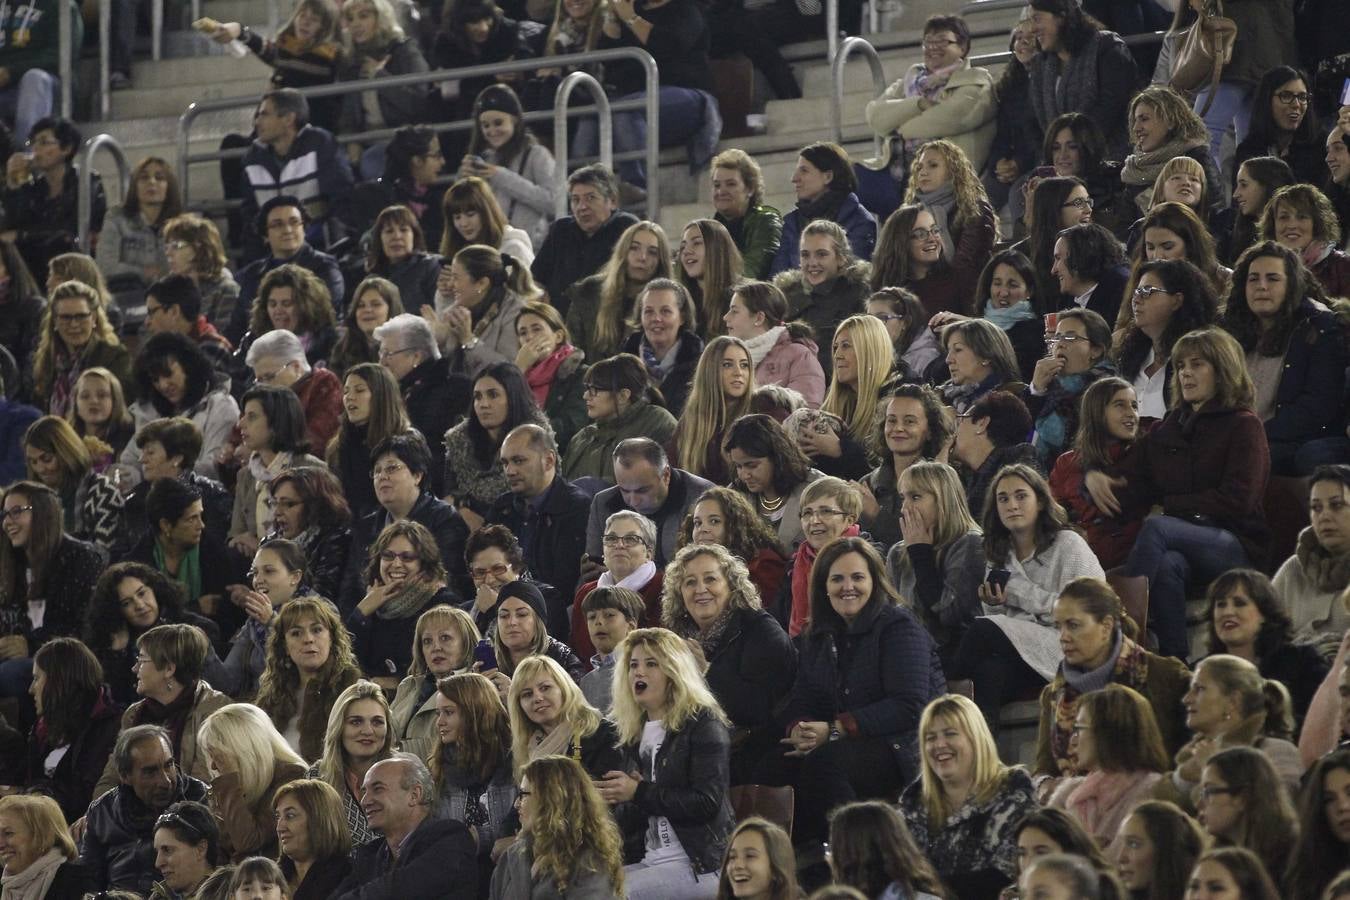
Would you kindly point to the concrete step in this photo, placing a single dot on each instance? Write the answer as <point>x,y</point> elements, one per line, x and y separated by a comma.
<point>246,11</point>
<point>172,100</point>
<point>202,70</point>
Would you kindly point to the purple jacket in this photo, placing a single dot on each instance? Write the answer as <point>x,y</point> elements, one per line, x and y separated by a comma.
<point>793,363</point>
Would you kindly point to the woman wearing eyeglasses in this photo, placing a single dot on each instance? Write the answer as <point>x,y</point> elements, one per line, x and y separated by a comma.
<point>629,546</point>
<point>622,403</point>
<point>1077,357</point>
<point>1241,802</point>
<point>913,343</point>
<point>76,335</point>
<point>829,509</point>
<point>193,248</point>
<point>1284,126</point>
<point>308,507</point>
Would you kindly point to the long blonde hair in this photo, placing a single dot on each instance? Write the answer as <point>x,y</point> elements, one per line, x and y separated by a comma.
<point>688,693</point>
<point>616,288</point>
<point>707,412</point>
<point>333,763</point>
<point>857,404</point>
<point>244,733</point>
<point>577,716</point>
<point>954,518</point>
<point>573,831</point>
<point>990,773</point>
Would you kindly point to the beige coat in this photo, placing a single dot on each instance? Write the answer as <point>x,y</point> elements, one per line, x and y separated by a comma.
<point>414,726</point>
<point>206,701</point>
<point>965,114</point>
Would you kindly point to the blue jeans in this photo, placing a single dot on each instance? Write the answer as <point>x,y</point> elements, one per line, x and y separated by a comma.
<point>16,676</point>
<point>1171,553</point>
<point>681,115</point>
<point>33,98</point>
<point>1300,459</point>
<point>1232,106</point>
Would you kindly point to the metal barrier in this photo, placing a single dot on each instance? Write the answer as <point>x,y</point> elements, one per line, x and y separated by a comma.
<point>606,135</point>
<point>980,6</point>
<point>1132,40</point>
<point>85,170</point>
<point>65,56</point>
<point>850,46</point>
<point>650,103</point>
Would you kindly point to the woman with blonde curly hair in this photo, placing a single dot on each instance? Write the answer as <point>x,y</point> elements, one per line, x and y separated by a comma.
<point>193,247</point>
<point>248,760</point>
<point>100,416</point>
<point>76,335</point>
<point>550,717</point>
<point>724,516</point>
<point>1302,218</point>
<point>358,734</point>
<point>309,662</point>
<point>721,392</point>
<point>295,299</point>
<point>472,764</point>
<point>443,643</point>
<point>710,267</point>
<point>709,598</point>
<point>664,709</point>
<point>945,182</point>
<point>568,844</point>
<point>473,216</point>
<point>1162,127</point>
<point>862,367</point>
<point>603,303</point>
<point>314,841</point>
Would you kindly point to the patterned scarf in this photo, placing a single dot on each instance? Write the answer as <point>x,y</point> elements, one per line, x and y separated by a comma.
<point>1130,669</point>
<point>1059,411</point>
<point>941,204</point>
<point>407,599</point>
<point>1065,87</point>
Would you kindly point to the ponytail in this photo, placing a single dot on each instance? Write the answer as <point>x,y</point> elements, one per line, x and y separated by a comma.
<point>1279,710</point>
<point>1099,600</point>
<point>517,278</point>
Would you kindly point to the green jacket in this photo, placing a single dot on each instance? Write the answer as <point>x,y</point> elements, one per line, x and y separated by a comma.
<point>583,312</point>
<point>591,451</point>
<point>566,404</point>
<point>30,38</point>
<point>757,237</point>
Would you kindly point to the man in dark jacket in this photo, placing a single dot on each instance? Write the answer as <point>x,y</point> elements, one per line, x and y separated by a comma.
<point>174,304</point>
<point>646,483</point>
<point>545,513</point>
<point>578,245</point>
<point>282,221</point>
<point>416,856</point>
<point>118,846</point>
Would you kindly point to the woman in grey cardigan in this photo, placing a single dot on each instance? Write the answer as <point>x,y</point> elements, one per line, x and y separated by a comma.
<point>505,154</point>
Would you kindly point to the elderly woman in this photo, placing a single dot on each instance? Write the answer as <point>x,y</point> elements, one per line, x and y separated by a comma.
<point>738,198</point>
<point>75,336</point>
<point>668,340</point>
<point>90,501</point>
<point>629,557</point>
<point>709,599</point>
<point>314,841</point>
<point>193,248</point>
<point>374,45</point>
<point>278,359</point>
<point>359,733</point>
<point>980,359</point>
<point>443,644</point>
<point>40,857</point>
<point>375,301</point>
<point>1162,127</point>
<point>397,250</point>
<point>294,299</point>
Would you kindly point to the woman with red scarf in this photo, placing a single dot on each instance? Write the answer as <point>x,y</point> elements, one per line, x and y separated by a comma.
<point>830,509</point>
<point>554,369</point>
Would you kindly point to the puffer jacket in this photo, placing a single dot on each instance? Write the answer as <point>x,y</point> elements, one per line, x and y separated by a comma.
<point>119,830</point>
<point>757,235</point>
<point>827,304</point>
<point>856,220</point>
<point>591,451</point>
<point>964,113</point>
<point>794,362</point>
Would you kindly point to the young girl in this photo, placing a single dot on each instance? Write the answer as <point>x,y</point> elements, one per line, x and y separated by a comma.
<point>760,864</point>
<point>678,746</point>
<point>724,382</point>
<point>100,416</point>
<point>504,153</point>
<point>258,878</point>
<point>473,215</point>
<point>710,266</point>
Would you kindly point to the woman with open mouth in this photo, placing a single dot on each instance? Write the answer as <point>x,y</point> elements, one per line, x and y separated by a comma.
<point>1284,126</point>
<point>828,285</point>
<point>709,267</point>
<point>1077,355</point>
<point>359,732</point>
<point>677,744</point>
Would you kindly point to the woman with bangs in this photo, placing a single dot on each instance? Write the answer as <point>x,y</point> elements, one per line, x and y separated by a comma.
<point>826,187</point>
<point>913,343</point>
<point>473,216</point>
<point>621,402</point>
<point>76,335</point>
<point>359,732</point>
<point>131,245</point>
<point>1296,354</point>
<point>397,250</point>
<point>550,717</point>
<point>723,516</point>
<point>295,299</point>
<point>945,182</point>
<point>314,841</point>
<point>193,247</point>
<point>375,301</point>
<point>568,845</point>
<point>603,304</point>
<point>964,809</point>
<point>1302,218</point>
<point>720,393</point>
<point>911,426</point>
<point>1181,181</point>
<point>1163,127</point>
<point>308,508</point>
<point>309,662</point>
<point>738,197</point>
<point>1007,294</point>
<point>100,416</point>
<point>90,501</point>
<point>473,768</point>
<point>1207,463</point>
<point>374,45</point>
<point>555,369</point>
<point>514,165</point>
<point>1284,126</point>
<point>249,761</point>
<point>710,267</point>
<point>938,560</point>
<point>862,368</point>
<point>1078,354</point>
<point>372,410</point>
<point>443,643</point>
<point>910,254</point>
<point>980,360</point>
<point>677,772</point>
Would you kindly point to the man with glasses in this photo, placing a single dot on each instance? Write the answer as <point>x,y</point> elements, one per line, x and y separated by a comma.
<point>173,305</point>
<point>117,846</point>
<point>578,245</point>
<point>282,222</point>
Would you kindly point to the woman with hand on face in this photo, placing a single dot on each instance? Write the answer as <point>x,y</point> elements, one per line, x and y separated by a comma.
<point>358,734</point>
<point>398,251</point>
<point>495,559</point>
<point>759,864</point>
<point>1284,125</point>
<point>1242,802</point>
<point>521,632</point>
<point>1014,646</point>
<point>1163,127</point>
<point>826,187</point>
<point>709,267</point>
<point>1296,354</point>
<point>783,353</point>
<point>723,516</point>
<point>911,426</point>
<point>550,717</point>
<point>1078,356</point>
<point>309,662</point>
<point>964,809</point>
<point>629,544</point>
<point>313,838</point>
<point>938,559</point>
<point>666,339</point>
<point>473,216</point>
<point>443,644</point>
<point>1156,848</point>
<point>603,305</point>
<point>1302,218</point>
<point>248,760</point>
<point>554,369</point>
<point>90,501</point>
<point>41,861</point>
<point>720,393</point>
<point>710,601</point>
<point>1257,181</point>
<point>676,773</point>
<point>487,290</point>
<point>516,167</point>
<point>738,197</point>
<point>404,576</point>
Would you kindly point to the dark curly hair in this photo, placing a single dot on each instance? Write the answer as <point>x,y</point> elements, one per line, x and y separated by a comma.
<point>1198,310</point>
<point>498,536</point>
<point>103,617</point>
<point>761,436</point>
<point>153,363</point>
<point>1238,319</point>
<point>747,533</point>
<point>940,428</point>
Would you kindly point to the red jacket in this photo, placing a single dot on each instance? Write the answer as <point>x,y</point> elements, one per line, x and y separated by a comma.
<point>767,571</point>
<point>581,635</point>
<point>1110,538</point>
<point>320,395</point>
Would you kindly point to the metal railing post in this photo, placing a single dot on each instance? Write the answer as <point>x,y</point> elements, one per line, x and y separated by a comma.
<point>65,57</point>
<point>104,61</point>
<point>831,30</point>
<point>560,103</point>
<point>849,47</point>
<point>85,171</point>
<point>156,29</point>
<point>653,82</point>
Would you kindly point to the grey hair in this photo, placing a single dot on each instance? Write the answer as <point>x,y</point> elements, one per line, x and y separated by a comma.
<point>646,526</point>
<point>416,333</point>
<point>130,737</point>
<point>416,774</point>
<point>279,344</point>
<point>629,449</point>
<point>541,438</point>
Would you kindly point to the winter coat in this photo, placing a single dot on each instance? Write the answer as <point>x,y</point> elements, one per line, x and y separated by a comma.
<point>398,106</point>
<point>71,575</point>
<point>215,415</point>
<point>964,112</point>
<point>496,793</point>
<point>248,829</point>
<point>322,879</point>
<point>474,485</point>
<point>794,362</point>
<point>1333,273</point>
<point>856,220</point>
<point>497,340</point>
<point>691,790</point>
<point>436,862</point>
<point>220,296</point>
<point>71,783</point>
<point>591,451</point>
<point>436,398</point>
<point>119,831</point>
<point>384,646</point>
<point>750,671</point>
<point>1310,583</point>
<point>95,510</point>
<point>415,278</point>
<point>675,382</point>
<point>757,235</point>
<point>552,535</point>
<point>1111,538</point>
<point>569,255</point>
<point>414,722</point>
<point>1310,401</point>
<point>874,675</point>
<point>566,403</point>
<point>524,188</point>
<point>827,304</point>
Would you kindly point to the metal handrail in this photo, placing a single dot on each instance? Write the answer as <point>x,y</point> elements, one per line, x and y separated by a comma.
<point>65,55</point>
<point>1131,40</point>
<point>606,134</point>
<point>650,103</point>
<point>849,47</point>
<point>85,171</point>
<point>831,30</point>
